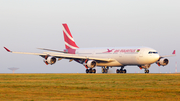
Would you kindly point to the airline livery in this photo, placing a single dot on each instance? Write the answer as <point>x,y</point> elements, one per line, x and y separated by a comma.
<point>105,57</point>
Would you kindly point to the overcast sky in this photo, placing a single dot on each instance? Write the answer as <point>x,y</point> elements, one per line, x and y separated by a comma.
<point>26,25</point>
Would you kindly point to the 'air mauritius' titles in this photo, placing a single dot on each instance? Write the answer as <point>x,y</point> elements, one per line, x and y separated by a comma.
<point>122,50</point>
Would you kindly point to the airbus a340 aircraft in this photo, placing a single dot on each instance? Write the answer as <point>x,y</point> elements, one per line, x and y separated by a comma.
<point>106,57</point>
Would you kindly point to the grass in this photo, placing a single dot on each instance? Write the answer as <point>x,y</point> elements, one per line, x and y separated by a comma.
<point>40,87</point>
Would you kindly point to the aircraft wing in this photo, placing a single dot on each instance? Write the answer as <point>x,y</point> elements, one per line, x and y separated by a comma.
<point>173,54</point>
<point>63,55</point>
<point>76,56</point>
<point>24,52</point>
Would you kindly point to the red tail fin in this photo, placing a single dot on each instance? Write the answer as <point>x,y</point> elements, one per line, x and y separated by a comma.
<point>69,41</point>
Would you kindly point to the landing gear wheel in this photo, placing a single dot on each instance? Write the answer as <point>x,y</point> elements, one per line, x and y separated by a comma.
<point>146,71</point>
<point>121,70</point>
<point>124,71</point>
<point>105,69</point>
<point>94,71</point>
<point>117,71</point>
<point>90,70</point>
<point>87,70</point>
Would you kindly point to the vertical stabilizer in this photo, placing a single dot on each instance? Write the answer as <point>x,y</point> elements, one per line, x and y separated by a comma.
<point>68,39</point>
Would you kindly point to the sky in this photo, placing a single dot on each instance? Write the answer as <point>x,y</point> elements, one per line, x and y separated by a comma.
<point>26,25</point>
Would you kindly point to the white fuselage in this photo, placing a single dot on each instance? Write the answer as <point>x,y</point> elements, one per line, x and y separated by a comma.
<point>122,55</point>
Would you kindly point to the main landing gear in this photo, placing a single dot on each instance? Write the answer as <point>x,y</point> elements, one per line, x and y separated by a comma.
<point>90,70</point>
<point>122,70</point>
<point>105,69</point>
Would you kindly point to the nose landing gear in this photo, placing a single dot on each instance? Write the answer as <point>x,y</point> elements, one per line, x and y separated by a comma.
<point>145,67</point>
<point>146,71</point>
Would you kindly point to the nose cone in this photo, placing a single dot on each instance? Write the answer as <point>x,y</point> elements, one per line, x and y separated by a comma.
<point>157,56</point>
<point>148,59</point>
<point>154,58</point>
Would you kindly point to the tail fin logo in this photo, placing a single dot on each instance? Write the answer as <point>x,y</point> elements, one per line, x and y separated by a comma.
<point>69,41</point>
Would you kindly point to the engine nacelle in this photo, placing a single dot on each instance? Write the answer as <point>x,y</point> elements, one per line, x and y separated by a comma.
<point>50,60</point>
<point>163,61</point>
<point>91,63</point>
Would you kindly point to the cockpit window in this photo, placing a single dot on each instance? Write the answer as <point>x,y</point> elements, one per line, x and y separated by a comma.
<point>153,52</point>
<point>150,52</point>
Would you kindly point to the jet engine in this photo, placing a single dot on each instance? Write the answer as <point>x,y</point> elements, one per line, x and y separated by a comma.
<point>163,62</point>
<point>91,63</point>
<point>50,60</point>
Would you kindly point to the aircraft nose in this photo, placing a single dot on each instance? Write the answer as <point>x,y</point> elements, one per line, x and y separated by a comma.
<point>156,57</point>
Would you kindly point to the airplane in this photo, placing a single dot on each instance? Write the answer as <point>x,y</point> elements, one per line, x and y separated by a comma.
<point>104,57</point>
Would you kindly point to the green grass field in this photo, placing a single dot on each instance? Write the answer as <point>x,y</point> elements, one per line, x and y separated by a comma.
<point>40,87</point>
